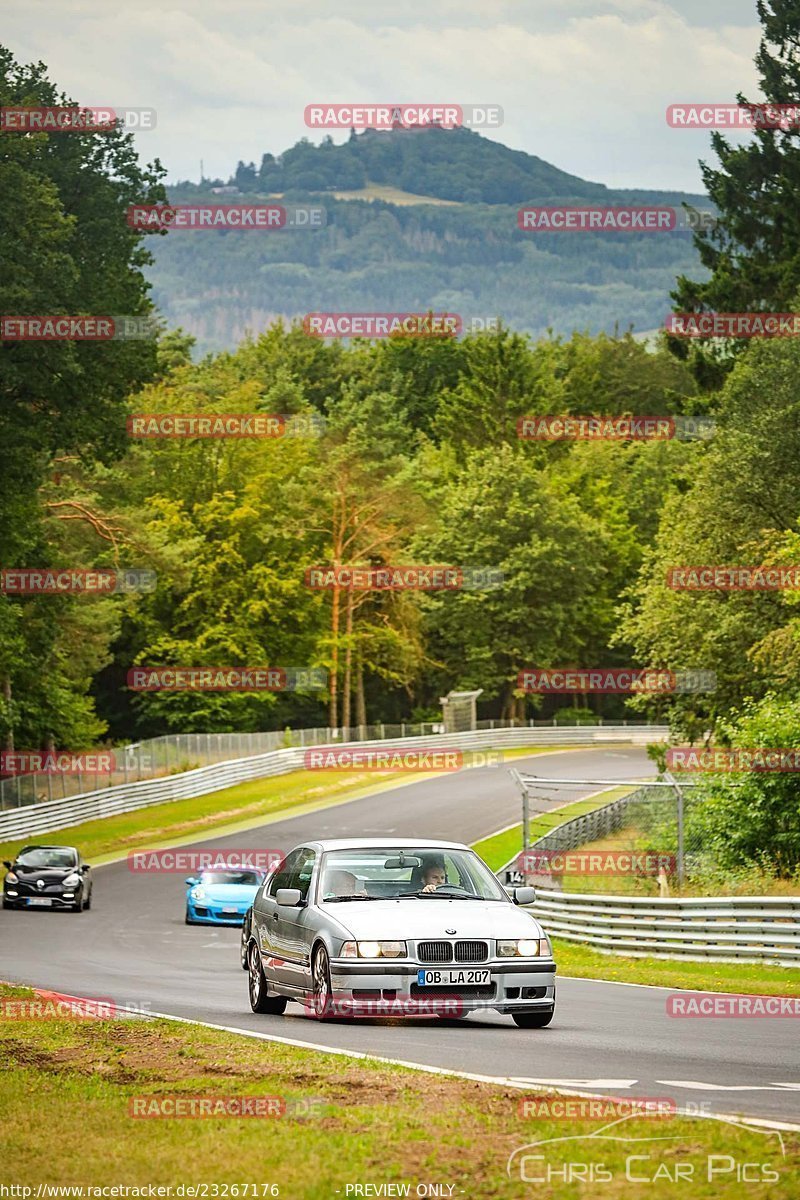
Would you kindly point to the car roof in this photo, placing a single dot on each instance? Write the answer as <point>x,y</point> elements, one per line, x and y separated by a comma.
<point>382,843</point>
<point>42,846</point>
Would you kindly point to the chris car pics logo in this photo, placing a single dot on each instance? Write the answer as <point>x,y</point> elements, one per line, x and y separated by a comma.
<point>618,1152</point>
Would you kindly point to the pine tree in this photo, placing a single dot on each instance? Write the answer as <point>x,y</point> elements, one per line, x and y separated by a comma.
<point>753,253</point>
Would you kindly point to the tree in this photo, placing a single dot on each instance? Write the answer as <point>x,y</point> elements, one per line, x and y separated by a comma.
<point>736,505</point>
<point>753,252</point>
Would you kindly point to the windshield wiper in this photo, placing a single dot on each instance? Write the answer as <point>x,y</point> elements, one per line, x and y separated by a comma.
<point>444,895</point>
<point>344,899</point>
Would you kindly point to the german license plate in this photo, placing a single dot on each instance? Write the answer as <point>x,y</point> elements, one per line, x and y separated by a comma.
<point>230,912</point>
<point>40,902</point>
<point>465,977</point>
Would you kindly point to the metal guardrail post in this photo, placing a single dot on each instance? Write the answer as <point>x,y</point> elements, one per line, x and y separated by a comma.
<point>681,864</point>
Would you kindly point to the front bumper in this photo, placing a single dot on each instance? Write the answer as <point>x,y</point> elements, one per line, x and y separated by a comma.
<point>20,896</point>
<point>514,986</point>
<point>203,914</point>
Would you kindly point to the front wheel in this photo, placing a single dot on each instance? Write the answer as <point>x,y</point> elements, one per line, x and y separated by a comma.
<point>534,1020</point>
<point>260,1001</point>
<point>322,984</point>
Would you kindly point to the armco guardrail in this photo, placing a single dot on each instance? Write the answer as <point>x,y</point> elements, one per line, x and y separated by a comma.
<point>177,752</point>
<point>718,929</point>
<point>590,826</point>
<point>61,814</point>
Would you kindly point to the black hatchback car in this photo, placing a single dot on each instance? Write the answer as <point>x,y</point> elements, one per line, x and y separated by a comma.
<point>48,877</point>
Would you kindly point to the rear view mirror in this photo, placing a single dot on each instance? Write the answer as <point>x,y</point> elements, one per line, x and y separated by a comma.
<point>396,864</point>
<point>524,895</point>
<point>191,880</point>
<point>289,897</point>
<point>6,864</point>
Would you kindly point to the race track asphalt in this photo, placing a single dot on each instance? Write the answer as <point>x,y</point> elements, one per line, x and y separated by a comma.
<point>133,948</point>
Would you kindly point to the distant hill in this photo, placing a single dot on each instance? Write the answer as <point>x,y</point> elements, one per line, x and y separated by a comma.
<point>449,164</point>
<point>457,247</point>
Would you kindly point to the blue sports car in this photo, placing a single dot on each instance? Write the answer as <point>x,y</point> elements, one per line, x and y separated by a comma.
<point>221,897</point>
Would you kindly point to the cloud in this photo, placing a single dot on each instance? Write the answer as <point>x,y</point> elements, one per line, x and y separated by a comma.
<point>582,84</point>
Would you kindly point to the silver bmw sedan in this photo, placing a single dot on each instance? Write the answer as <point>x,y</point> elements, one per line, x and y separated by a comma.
<point>383,927</point>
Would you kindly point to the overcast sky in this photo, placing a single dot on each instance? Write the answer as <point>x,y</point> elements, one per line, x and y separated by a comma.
<point>583,83</point>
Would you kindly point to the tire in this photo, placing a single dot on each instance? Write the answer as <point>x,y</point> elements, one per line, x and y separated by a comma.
<point>88,903</point>
<point>187,919</point>
<point>534,1020</point>
<point>260,1000</point>
<point>321,981</point>
<point>7,904</point>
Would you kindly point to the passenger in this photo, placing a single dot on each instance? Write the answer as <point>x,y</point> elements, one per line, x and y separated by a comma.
<point>341,883</point>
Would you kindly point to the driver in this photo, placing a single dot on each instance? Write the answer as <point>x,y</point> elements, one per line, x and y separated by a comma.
<point>433,876</point>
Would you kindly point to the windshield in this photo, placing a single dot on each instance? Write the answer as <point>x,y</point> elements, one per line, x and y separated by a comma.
<point>380,874</point>
<point>246,878</point>
<point>43,856</point>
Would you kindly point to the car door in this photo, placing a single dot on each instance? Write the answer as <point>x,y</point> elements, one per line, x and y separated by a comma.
<point>293,923</point>
<point>267,920</point>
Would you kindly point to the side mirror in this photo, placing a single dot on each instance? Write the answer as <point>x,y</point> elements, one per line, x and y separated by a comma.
<point>289,897</point>
<point>191,880</point>
<point>86,867</point>
<point>524,895</point>
<point>6,864</point>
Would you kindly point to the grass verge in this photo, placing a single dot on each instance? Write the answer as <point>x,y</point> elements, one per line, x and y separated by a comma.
<point>500,848</point>
<point>372,1123</point>
<point>585,962</point>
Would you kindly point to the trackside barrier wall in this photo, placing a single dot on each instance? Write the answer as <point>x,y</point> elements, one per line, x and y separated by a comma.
<point>763,929</point>
<point>60,814</point>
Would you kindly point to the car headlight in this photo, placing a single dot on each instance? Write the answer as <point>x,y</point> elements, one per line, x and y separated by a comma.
<point>11,878</point>
<point>71,881</point>
<point>523,948</point>
<point>197,893</point>
<point>374,950</point>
